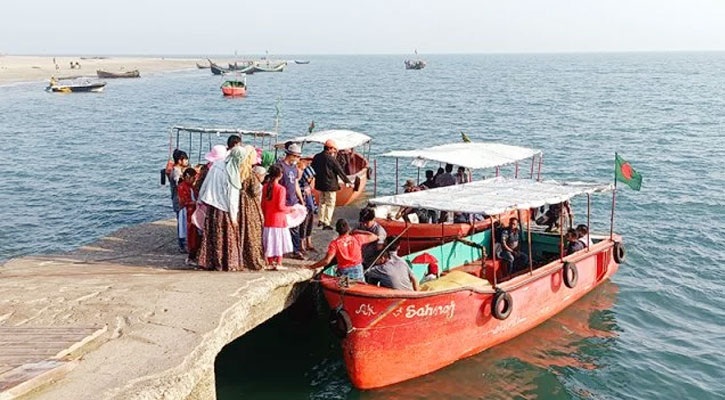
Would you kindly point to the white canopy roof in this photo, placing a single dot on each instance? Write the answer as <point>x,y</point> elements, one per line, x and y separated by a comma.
<point>470,155</point>
<point>225,131</point>
<point>344,138</point>
<point>493,196</point>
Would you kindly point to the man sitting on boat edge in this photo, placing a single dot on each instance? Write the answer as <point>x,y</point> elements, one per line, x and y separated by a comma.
<point>390,270</point>
<point>509,249</point>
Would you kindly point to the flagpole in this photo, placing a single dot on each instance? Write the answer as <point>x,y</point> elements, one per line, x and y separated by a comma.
<point>614,196</point>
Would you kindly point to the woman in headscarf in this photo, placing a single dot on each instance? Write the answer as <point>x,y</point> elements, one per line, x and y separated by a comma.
<point>220,246</point>
<point>250,215</point>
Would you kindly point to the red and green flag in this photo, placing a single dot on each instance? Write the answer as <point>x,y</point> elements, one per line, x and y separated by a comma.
<point>624,172</point>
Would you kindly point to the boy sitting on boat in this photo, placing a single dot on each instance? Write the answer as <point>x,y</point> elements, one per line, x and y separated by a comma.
<point>390,270</point>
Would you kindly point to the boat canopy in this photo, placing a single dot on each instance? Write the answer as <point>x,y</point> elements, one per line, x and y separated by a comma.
<point>344,138</point>
<point>229,131</point>
<point>493,196</point>
<point>473,155</point>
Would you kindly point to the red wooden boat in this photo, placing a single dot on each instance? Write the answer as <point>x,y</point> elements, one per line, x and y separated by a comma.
<point>472,156</point>
<point>358,167</point>
<point>234,88</point>
<point>389,336</point>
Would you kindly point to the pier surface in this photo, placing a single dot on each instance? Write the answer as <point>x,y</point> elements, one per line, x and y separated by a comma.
<point>140,324</point>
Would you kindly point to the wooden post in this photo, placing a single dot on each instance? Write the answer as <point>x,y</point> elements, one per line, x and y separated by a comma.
<point>493,253</point>
<point>589,229</point>
<point>396,176</point>
<point>528,234</point>
<point>611,222</point>
<point>375,177</point>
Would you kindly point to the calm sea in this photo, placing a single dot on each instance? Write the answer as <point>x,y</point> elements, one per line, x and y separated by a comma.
<point>77,167</point>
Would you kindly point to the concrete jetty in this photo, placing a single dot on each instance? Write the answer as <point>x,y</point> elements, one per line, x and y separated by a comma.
<point>125,318</point>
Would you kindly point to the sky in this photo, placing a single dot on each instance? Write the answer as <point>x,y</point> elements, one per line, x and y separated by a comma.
<point>166,27</point>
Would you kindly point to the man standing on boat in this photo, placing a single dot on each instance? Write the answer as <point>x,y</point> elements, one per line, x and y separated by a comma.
<point>328,170</point>
<point>290,180</point>
<point>509,249</point>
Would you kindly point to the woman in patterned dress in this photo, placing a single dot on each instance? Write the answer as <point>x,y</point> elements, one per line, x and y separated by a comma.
<point>220,246</point>
<point>250,215</point>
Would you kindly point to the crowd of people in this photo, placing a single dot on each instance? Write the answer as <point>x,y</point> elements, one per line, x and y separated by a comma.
<point>234,214</point>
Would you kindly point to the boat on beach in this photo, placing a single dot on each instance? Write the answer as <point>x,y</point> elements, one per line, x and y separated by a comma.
<point>357,164</point>
<point>389,336</point>
<point>235,87</point>
<point>416,236</point>
<point>56,86</point>
<point>113,75</point>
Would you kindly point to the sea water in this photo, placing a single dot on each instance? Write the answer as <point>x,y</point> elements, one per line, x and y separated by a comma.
<point>77,167</point>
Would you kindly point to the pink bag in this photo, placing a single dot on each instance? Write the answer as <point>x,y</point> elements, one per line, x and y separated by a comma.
<point>199,216</point>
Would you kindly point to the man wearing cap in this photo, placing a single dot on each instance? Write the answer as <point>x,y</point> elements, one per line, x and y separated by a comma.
<point>328,170</point>
<point>290,180</point>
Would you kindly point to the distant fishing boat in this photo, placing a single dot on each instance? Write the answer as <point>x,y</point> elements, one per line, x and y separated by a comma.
<point>302,61</point>
<point>244,68</point>
<point>201,66</point>
<point>217,70</point>
<point>112,75</point>
<point>235,87</point>
<point>57,87</point>
<point>415,64</point>
<point>269,67</point>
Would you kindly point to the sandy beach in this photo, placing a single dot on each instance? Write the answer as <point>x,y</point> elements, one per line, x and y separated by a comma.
<point>37,68</point>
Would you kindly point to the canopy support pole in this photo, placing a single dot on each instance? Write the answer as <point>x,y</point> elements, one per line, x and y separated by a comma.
<point>561,233</point>
<point>589,214</point>
<point>470,175</point>
<point>528,234</point>
<point>541,157</point>
<point>201,145</point>
<point>516,174</point>
<point>497,171</point>
<point>178,133</point>
<point>493,253</point>
<point>611,222</point>
<point>533,160</point>
<point>375,177</point>
<point>418,181</point>
<point>396,176</point>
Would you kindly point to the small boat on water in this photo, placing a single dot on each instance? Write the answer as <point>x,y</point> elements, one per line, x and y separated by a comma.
<point>244,67</point>
<point>356,165</point>
<point>235,87</point>
<point>202,66</point>
<point>269,67</point>
<point>416,236</point>
<point>112,75</point>
<point>76,87</point>
<point>389,336</point>
<point>302,62</point>
<point>414,64</point>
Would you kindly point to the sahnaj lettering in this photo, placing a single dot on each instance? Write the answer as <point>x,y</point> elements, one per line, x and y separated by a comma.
<point>430,311</point>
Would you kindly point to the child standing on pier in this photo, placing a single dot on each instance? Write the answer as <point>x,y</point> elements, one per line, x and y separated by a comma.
<point>276,237</point>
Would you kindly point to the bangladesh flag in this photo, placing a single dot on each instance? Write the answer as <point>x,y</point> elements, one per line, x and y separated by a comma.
<point>623,172</point>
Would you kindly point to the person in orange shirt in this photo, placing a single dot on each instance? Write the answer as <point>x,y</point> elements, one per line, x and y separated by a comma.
<point>347,249</point>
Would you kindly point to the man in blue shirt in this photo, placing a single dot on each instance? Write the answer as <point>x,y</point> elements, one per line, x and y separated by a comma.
<point>509,249</point>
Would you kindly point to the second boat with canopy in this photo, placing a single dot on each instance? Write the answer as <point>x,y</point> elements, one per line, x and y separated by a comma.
<point>472,156</point>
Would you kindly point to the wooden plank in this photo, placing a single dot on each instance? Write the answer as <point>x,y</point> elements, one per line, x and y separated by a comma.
<point>19,381</point>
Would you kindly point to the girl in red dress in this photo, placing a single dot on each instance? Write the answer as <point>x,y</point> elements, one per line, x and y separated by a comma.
<point>276,236</point>
<point>187,201</point>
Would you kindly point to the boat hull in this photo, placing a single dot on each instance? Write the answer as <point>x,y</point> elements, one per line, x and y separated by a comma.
<point>98,87</point>
<point>398,336</point>
<point>113,75</point>
<point>424,236</point>
<point>348,195</point>
<point>234,91</point>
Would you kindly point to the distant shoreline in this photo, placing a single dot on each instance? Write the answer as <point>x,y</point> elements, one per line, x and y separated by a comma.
<point>20,69</point>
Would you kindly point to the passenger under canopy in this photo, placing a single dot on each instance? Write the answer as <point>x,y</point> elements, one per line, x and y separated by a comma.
<point>493,196</point>
<point>470,155</point>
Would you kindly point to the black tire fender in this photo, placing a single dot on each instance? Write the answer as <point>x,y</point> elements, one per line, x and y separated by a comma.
<point>340,323</point>
<point>570,274</point>
<point>497,310</point>
<point>619,253</point>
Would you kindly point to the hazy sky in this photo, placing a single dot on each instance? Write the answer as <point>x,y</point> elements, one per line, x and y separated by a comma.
<point>370,26</point>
